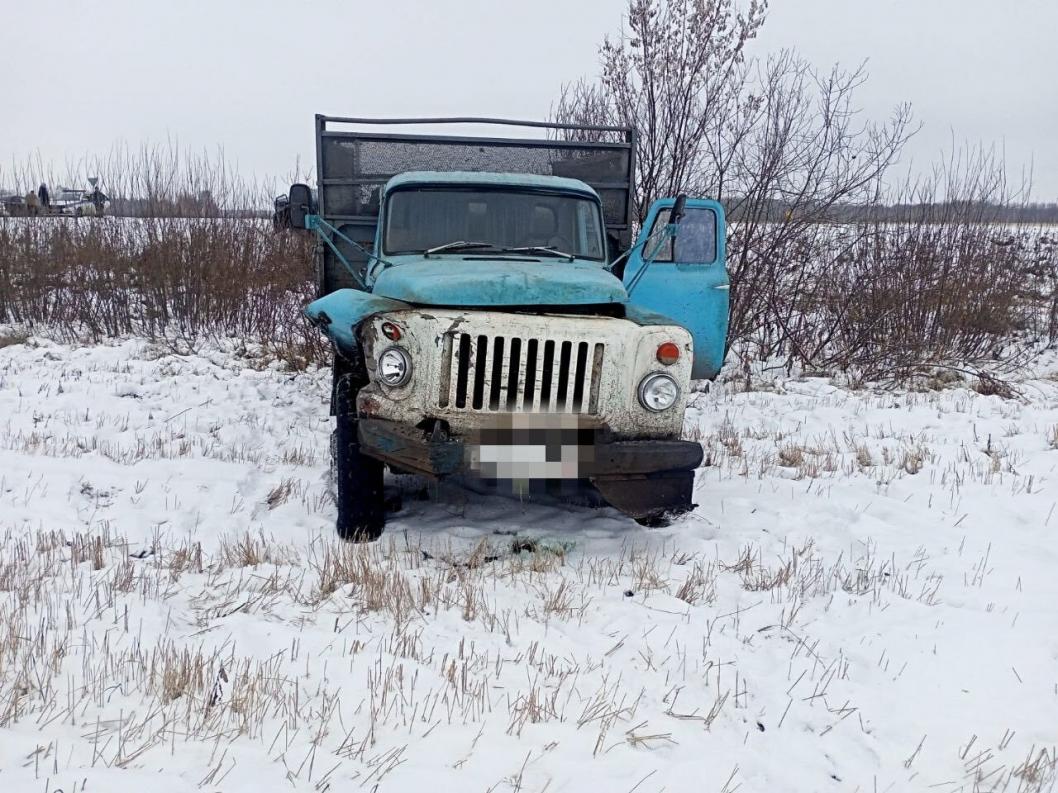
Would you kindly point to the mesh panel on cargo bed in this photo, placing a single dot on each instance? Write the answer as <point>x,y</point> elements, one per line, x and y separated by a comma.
<point>353,166</point>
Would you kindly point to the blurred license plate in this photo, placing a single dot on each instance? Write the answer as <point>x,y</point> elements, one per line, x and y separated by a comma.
<point>532,446</point>
<point>522,461</point>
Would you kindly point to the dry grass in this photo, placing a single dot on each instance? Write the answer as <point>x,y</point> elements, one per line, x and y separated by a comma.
<point>700,584</point>
<point>384,645</point>
<point>11,338</point>
<point>864,458</point>
<point>377,603</point>
<point>1052,437</point>
<point>791,456</point>
<point>325,655</point>
<point>249,550</point>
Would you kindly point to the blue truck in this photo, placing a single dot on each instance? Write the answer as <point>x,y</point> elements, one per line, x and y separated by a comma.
<point>492,316</point>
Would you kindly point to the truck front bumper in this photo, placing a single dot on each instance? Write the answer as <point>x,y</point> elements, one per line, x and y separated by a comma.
<point>642,478</point>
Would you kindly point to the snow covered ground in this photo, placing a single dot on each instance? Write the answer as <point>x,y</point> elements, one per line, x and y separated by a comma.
<point>866,599</point>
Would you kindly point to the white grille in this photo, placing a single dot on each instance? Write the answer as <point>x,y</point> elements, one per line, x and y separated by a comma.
<point>513,374</point>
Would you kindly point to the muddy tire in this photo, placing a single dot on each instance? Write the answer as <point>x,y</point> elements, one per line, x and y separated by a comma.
<point>358,479</point>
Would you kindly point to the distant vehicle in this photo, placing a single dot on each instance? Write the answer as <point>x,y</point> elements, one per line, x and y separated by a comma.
<point>12,204</point>
<point>77,203</point>
<point>70,201</point>
<point>67,201</point>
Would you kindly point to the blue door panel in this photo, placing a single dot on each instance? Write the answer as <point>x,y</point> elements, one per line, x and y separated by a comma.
<point>687,279</point>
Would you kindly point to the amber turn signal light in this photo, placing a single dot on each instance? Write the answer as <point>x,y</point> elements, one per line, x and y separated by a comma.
<point>668,353</point>
<point>391,331</point>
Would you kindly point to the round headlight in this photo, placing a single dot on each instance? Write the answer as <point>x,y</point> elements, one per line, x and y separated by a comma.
<point>394,367</point>
<point>658,392</point>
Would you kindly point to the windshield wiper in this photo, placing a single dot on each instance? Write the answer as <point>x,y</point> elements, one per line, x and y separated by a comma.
<point>545,249</point>
<point>466,245</point>
<point>457,245</point>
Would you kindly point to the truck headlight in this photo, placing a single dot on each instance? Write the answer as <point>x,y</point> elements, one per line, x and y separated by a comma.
<point>658,392</point>
<point>394,367</point>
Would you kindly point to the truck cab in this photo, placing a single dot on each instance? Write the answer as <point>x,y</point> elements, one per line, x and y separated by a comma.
<point>494,318</point>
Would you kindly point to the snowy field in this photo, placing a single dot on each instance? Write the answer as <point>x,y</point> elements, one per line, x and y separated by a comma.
<point>866,599</point>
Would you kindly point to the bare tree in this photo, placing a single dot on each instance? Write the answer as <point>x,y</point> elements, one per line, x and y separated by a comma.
<point>669,75</point>
<point>783,159</point>
<point>779,142</point>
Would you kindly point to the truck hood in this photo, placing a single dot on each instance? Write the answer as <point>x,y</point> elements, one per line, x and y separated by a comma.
<point>499,282</point>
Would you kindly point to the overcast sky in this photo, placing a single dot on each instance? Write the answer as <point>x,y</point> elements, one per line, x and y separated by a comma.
<point>80,76</point>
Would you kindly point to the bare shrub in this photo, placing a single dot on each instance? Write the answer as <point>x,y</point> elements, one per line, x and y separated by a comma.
<point>941,280</point>
<point>831,271</point>
<point>194,263</point>
<point>171,279</point>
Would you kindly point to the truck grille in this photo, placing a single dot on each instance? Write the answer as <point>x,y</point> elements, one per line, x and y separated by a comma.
<point>513,374</point>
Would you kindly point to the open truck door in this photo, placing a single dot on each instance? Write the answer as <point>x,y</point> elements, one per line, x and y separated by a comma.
<point>685,278</point>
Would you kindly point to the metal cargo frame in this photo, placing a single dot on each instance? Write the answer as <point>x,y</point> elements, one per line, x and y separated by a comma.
<point>351,166</point>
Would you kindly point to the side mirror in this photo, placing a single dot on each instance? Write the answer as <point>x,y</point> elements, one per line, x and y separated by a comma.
<point>679,209</point>
<point>300,204</point>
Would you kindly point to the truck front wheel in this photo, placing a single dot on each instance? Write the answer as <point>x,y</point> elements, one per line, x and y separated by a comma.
<point>358,478</point>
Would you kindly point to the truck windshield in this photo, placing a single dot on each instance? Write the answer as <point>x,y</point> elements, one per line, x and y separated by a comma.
<point>420,219</point>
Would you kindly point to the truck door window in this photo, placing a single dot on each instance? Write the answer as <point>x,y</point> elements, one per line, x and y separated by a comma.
<point>696,241</point>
